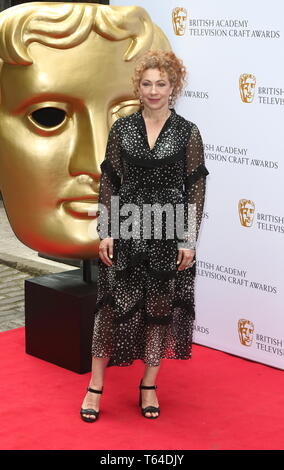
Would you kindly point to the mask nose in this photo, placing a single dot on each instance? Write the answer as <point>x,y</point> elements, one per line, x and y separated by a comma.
<point>84,163</point>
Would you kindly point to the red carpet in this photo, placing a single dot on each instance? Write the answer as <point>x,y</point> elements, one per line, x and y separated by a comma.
<point>213,401</point>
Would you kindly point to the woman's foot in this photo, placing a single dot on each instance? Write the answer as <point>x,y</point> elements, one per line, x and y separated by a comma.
<point>149,398</point>
<point>92,400</point>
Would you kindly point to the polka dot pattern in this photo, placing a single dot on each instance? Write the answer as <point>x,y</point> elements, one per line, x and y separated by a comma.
<point>145,307</point>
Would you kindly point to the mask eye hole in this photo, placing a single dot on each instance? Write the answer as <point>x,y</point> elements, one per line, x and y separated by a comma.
<point>49,117</point>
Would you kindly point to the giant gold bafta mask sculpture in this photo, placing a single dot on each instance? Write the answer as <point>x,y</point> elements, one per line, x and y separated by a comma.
<point>65,75</point>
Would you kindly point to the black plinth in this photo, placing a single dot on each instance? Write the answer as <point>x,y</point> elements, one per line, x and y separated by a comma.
<point>59,311</point>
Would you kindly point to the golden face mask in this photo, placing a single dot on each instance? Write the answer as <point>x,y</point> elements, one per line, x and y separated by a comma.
<point>246,212</point>
<point>247,83</point>
<point>65,77</point>
<point>246,329</point>
<point>179,17</point>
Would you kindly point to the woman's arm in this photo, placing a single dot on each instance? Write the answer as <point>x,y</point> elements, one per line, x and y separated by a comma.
<point>110,180</point>
<point>195,185</point>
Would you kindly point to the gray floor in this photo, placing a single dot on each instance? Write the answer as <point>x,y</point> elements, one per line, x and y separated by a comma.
<point>17,263</point>
<point>11,298</point>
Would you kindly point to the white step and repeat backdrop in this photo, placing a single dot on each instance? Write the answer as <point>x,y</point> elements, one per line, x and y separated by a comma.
<point>235,94</point>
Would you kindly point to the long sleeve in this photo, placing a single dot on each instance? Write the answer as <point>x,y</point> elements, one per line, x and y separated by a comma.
<point>111,174</point>
<point>195,185</point>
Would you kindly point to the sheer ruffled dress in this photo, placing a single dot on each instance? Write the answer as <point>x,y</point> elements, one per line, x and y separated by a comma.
<point>145,307</point>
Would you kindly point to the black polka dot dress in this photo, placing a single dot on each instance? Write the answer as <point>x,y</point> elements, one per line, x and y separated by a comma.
<point>145,307</point>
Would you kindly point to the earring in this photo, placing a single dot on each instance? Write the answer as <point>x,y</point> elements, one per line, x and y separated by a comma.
<point>170,101</point>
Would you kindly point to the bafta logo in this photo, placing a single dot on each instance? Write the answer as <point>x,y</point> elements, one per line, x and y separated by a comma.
<point>247,84</point>
<point>246,212</point>
<point>246,329</point>
<point>179,16</point>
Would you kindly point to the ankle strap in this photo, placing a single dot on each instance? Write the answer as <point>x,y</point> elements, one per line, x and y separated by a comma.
<point>148,387</point>
<point>89,389</point>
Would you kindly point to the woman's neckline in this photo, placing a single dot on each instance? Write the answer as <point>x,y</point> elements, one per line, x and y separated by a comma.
<point>166,123</point>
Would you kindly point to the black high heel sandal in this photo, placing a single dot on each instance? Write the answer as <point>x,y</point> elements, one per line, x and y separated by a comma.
<point>151,409</point>
<point>90,411</point>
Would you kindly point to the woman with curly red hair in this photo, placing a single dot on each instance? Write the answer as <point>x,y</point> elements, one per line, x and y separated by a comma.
<point>165,63</point>
<point>145,304</point>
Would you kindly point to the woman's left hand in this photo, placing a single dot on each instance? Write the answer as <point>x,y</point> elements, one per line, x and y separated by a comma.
<point>185,259</point>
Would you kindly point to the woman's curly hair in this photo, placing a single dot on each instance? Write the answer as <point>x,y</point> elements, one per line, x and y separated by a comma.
<point>164,61</point>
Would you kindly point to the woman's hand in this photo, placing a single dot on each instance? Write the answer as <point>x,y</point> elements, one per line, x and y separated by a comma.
<point>106,250</point>
<point>185,258</point>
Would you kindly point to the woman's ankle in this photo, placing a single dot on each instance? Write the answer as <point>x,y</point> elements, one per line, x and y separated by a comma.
<point>97,385</point>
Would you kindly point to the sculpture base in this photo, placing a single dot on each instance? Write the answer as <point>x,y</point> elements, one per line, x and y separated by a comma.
<point>59,319</point>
